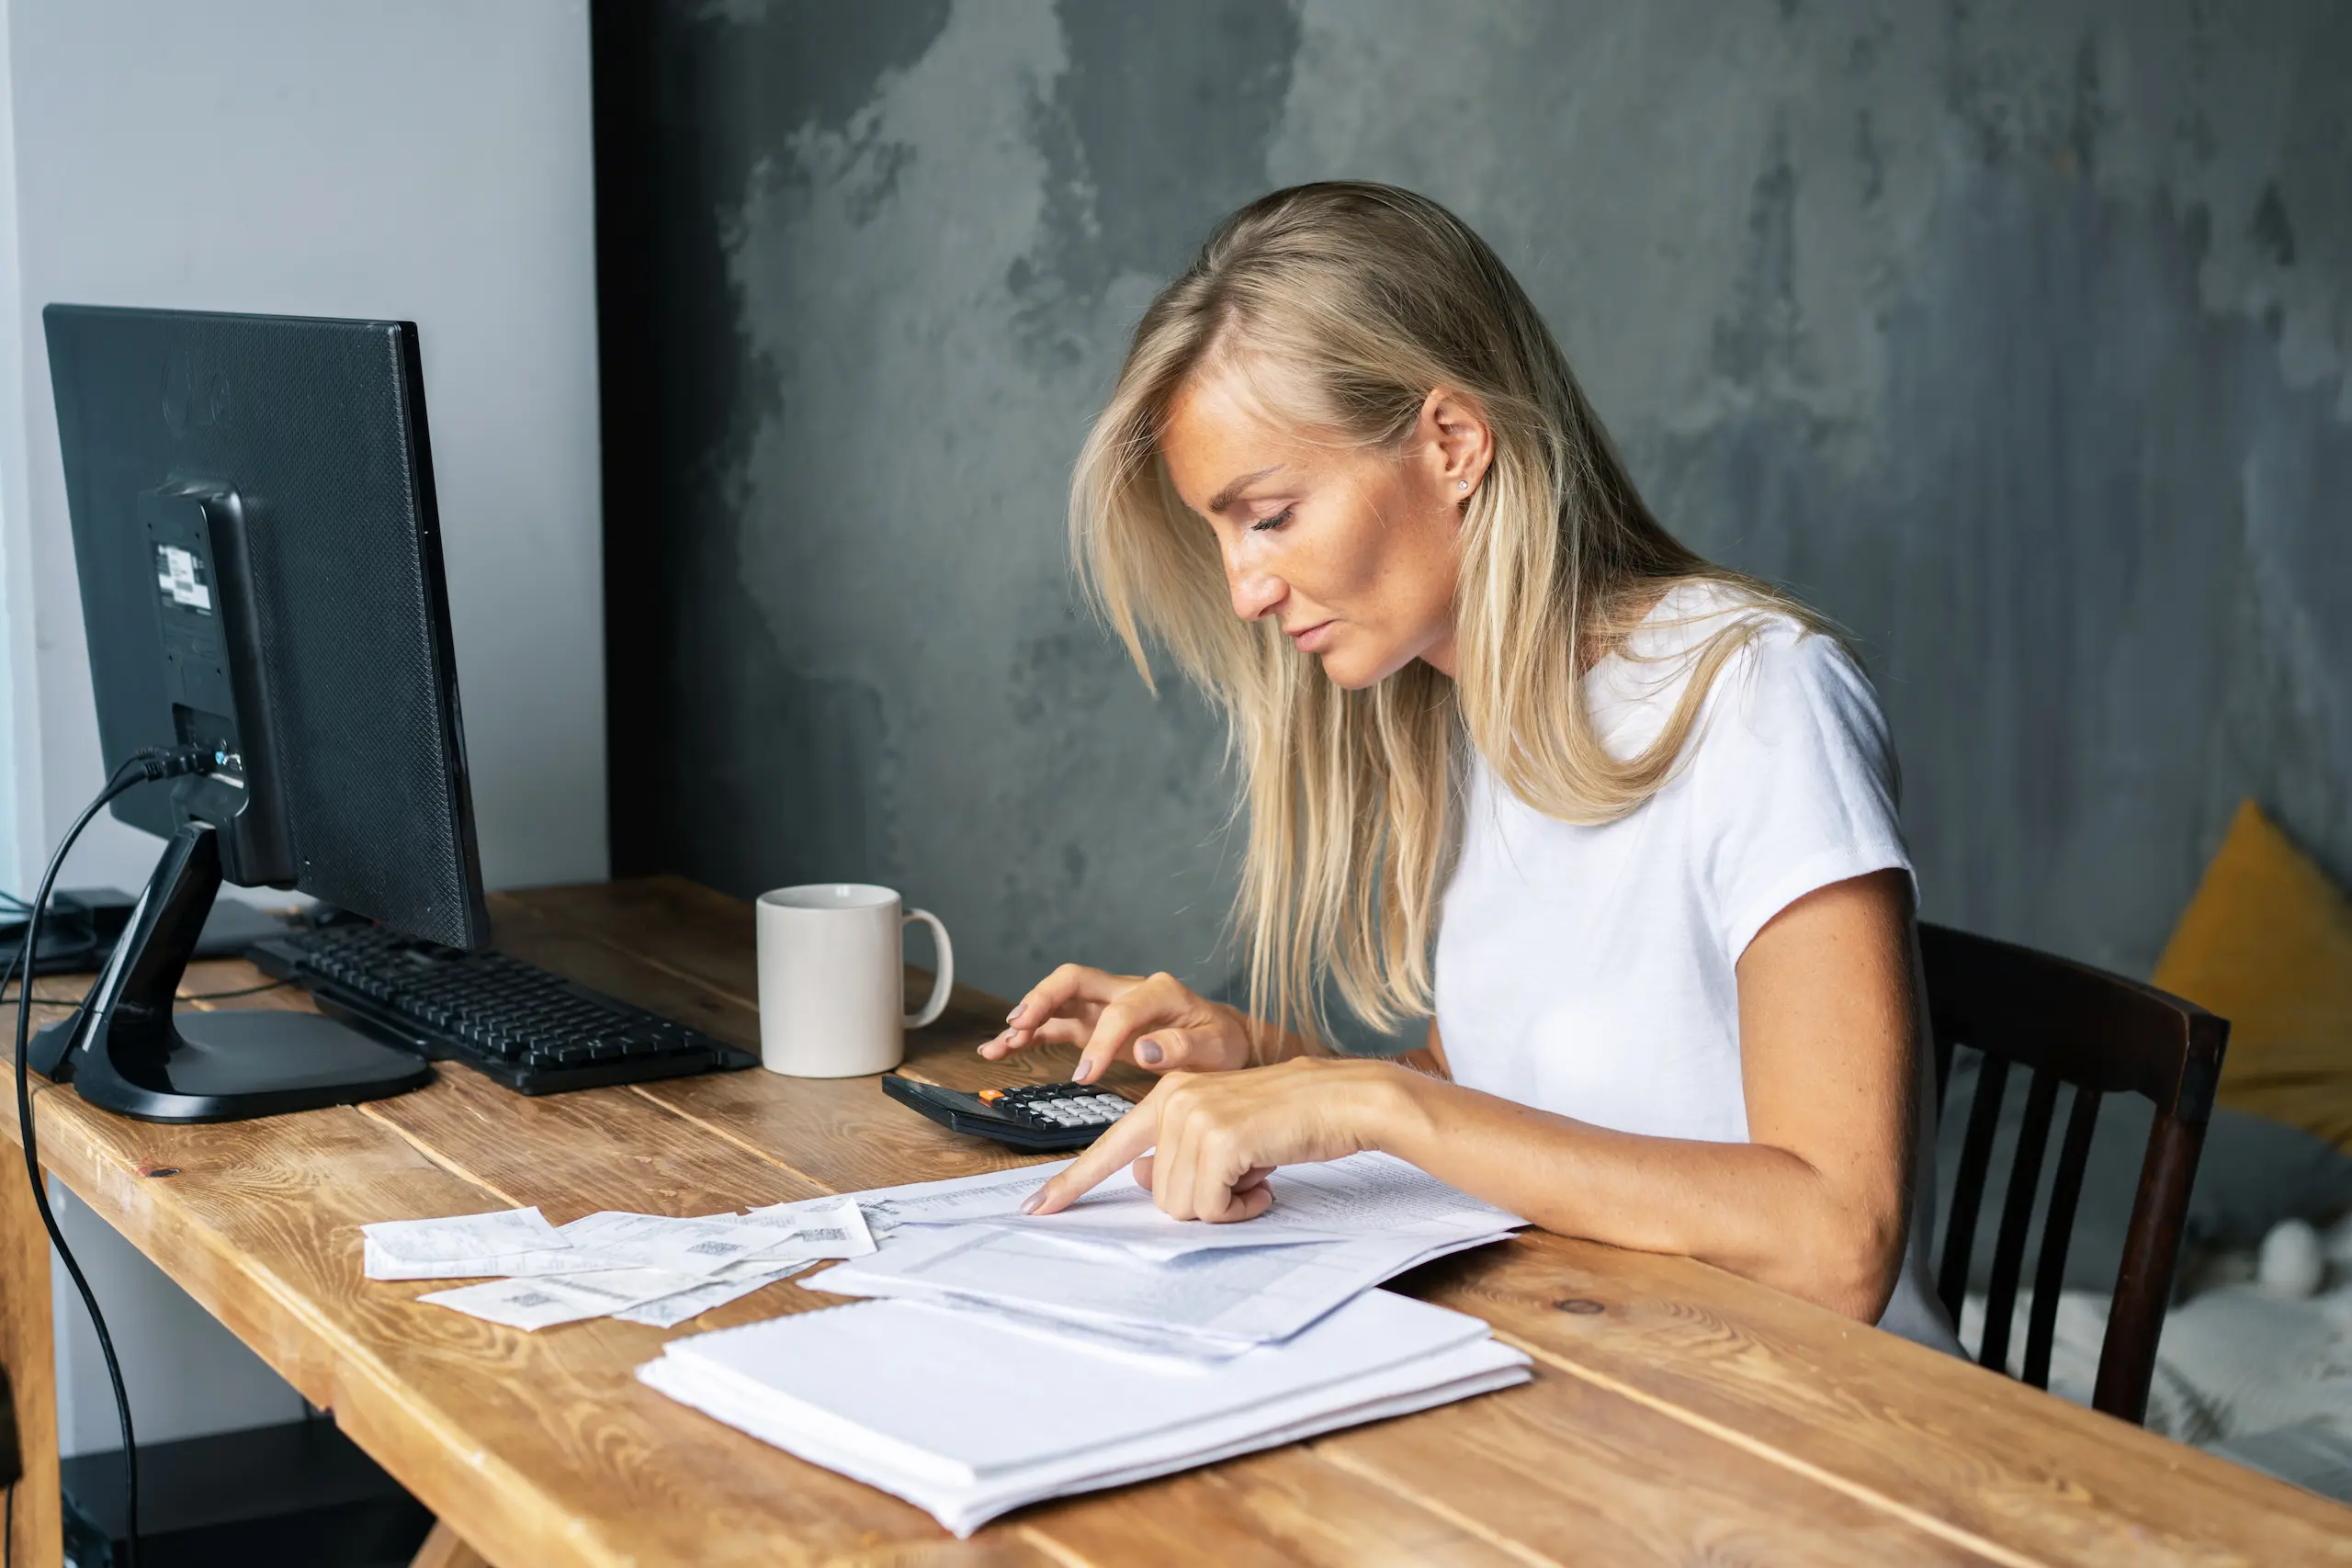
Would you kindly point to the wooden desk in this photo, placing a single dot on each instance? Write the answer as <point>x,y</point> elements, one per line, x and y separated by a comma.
<point>1678,1414</point>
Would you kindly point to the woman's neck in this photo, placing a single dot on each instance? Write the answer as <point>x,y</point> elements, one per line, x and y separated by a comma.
<point>1439,655</point>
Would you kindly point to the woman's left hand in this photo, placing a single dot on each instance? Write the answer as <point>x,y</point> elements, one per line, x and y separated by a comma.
<point>1215,1137</point>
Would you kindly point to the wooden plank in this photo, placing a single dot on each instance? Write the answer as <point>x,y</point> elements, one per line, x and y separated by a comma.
<point>697,962</point>
<point>28,1354</point>
<point>1986,1463</point>
<point>697,934</point>
<point>444,1548</point>
<point>691,933</point>
<point>1567,1472</point>
<point>574,1153</point>
<point>1264,1509</point>
<point>28,1347</point>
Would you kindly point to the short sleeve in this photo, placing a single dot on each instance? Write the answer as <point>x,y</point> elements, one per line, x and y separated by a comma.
<point>1793,781</point>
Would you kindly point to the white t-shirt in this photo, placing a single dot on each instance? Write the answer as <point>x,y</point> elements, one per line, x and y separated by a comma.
<point>1588,971</point>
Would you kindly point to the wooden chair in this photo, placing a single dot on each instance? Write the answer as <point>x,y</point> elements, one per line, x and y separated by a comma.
<point>2069,1024</point>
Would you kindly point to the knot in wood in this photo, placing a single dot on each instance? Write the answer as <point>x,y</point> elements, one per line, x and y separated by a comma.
<point>1582,1306</point>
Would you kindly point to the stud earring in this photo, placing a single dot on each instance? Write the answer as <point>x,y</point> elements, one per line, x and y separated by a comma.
<point>1461,484</point>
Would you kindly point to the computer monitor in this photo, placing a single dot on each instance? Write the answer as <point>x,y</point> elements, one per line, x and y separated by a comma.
<point>260,562</point>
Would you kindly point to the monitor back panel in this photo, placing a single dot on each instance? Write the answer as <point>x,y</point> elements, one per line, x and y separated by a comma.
<point>319,428</point>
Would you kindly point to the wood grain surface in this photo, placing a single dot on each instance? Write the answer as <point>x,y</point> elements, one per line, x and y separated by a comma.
<point>28,1355</point>
<point>1679,1415</point>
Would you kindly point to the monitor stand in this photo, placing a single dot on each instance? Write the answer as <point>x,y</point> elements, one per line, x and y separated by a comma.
<point>125,1049</point>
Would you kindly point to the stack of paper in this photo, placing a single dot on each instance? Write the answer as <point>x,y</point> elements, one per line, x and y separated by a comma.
<point>1114,1268</point>
<point>650,1268</point>
<point>967,1414</point>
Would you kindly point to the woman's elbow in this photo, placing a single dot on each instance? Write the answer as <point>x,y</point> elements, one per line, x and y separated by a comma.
<point>1856,1256</point>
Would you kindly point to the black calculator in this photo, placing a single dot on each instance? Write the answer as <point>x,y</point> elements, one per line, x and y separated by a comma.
<point>1043,1118</point>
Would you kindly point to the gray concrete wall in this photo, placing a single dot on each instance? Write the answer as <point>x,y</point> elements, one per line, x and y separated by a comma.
<point>2013,335</point>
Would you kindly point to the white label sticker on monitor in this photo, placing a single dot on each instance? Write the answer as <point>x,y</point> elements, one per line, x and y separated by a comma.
<point>176,574</point>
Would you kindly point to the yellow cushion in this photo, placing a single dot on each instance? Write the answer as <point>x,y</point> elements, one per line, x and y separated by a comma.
<point>2267,944</point>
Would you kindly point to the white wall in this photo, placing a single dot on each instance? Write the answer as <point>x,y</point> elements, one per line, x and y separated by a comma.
<point>428,160</point>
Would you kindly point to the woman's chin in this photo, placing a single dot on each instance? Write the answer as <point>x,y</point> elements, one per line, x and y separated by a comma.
<point>1349,669</point>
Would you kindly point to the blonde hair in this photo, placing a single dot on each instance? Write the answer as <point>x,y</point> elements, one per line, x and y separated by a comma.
<point>1372,297</point>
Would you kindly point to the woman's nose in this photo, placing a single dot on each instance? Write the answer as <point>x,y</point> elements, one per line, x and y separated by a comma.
<point>1255,592</point>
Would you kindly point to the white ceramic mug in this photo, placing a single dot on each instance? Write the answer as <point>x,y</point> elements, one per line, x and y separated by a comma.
<point>832,977</point>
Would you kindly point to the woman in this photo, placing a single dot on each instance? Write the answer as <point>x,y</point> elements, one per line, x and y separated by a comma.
<point>1622,820</point>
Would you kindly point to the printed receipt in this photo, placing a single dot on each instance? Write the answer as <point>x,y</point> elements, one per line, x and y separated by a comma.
<point>654,1269</point>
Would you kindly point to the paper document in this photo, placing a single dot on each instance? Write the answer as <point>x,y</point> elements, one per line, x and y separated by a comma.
<point>463,1236</point>
<point>653,1268</point>
<point>378,1264</point>
<point>1214,1302</point>
<point>1363,1195</point>
<point>993,1194</point>
<point>831,1226</point>
<point>811,1229</point>
<point>542,1303</point>
<point>668,1312</point>
<point>967,1419</point>
<point>682,1247</point>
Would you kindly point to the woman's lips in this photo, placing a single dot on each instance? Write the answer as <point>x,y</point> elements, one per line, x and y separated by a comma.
<point>1312,638</point>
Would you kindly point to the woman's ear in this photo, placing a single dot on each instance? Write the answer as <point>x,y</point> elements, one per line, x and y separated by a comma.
<point>1459,445</point>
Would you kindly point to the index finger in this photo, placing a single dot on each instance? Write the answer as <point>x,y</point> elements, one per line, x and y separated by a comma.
<point>1071,982</point>
<point>1129,1136</point>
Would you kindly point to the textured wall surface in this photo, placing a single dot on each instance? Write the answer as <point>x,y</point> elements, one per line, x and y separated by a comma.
<point>2015,336</point>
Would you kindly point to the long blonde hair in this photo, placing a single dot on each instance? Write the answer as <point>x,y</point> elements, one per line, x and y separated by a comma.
<point>1372,297</point>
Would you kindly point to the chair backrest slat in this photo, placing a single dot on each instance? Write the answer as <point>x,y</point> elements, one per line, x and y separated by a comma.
<point>2017,1218</point>
<point>1968,1184</point>
<point>2068,1025</point>
<point>2057,1230</point>
<point>1943,1067</point>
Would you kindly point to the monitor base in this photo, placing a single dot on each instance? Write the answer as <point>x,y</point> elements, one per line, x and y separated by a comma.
<point>126,1050</point>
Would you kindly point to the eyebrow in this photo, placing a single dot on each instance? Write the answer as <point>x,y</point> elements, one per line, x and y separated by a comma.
<point>1226,497</point>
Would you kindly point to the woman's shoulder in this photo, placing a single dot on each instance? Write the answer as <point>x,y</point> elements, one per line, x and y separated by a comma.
<point>1692,612</point>
<point>1769,655</point>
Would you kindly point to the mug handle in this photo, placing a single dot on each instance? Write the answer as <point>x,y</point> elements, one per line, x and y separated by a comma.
<point>946,980</point>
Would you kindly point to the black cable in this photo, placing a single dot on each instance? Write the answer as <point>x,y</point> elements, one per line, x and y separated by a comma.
<point>141,768</point>
<point>240,991</point>
<point>41,1001</point>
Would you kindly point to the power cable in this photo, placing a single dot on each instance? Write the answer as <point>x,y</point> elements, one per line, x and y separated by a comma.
<point>142,767</point>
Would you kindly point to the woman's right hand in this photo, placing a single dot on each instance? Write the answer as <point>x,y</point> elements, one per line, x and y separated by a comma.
<point>1155,1020</point>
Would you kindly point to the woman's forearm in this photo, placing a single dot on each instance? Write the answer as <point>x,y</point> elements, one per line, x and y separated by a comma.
<point>1753,1209</point>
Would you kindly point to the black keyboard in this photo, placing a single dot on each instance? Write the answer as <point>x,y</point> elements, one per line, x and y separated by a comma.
<point>534,1031</point>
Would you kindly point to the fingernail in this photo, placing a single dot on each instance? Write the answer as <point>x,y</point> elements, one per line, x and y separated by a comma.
<point>1148,1052</point>
<point>1080,1074</point>
<point>1029,1204</point>
<point>1014,1014</point>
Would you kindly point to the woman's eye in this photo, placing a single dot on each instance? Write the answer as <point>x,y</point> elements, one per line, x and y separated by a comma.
<point>1268,525</point>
